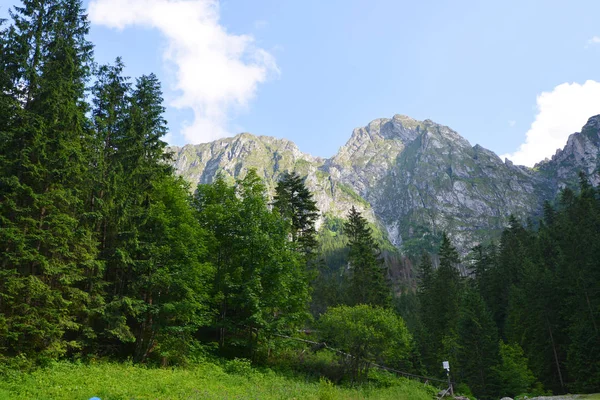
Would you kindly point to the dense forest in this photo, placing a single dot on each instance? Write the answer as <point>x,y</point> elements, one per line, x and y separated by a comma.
<point>106,253</point>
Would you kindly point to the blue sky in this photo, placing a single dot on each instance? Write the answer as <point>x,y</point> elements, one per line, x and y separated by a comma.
<point>514,76</point>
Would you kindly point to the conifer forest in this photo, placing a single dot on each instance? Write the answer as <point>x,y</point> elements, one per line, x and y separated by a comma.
<point>108,257</point>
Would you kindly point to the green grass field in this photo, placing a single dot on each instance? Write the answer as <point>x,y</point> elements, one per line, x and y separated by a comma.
<point>111,381</point>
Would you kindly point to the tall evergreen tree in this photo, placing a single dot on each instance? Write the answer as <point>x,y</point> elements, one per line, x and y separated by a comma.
<point>515,243</point>
<point>47,249</point>
<point>428,345</point>
<point>447,296</point>
<point>155,278</point>
<point>368,282</point>
<point>296,205</point>
<point>477,346</point>
<point>439,296</point>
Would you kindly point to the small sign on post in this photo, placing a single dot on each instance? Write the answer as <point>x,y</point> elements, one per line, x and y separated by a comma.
<point>446,366</point>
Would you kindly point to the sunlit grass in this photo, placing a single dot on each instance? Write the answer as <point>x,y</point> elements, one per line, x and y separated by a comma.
<point>110,381</point>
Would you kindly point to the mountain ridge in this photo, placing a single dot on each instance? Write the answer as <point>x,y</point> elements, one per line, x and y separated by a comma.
<point>415,179</point>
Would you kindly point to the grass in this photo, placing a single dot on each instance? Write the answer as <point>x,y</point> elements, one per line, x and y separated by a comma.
<point>112,381</point>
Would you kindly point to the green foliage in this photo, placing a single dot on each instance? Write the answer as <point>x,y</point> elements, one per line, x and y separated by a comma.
<point>101,250</point>
<point>439,294</point>
<point>542,287</point>
<point>66,381</point>
<point>296,206</point>
<point>326,390</point>
<point>369,334</point>
<point>155,280</point>
<point>331,286</point>
<point>289,356</point>
<point>261,283</point>
<point>513,372</point>
<point>421,241</point>
<point>105,254</point>
<point>477,343</point>
<point>352,194</point>
<point>47,250</point>
<point>368,282</point>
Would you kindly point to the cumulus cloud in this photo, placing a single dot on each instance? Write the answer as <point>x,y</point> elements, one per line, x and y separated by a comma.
<point>560,112</point>
<point>593,40</point>
<point>216,72</point>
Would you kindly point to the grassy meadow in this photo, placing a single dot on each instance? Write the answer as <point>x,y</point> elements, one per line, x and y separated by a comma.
<point>112,381</point>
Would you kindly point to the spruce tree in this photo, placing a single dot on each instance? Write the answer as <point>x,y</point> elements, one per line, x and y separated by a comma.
<point>154,276</point>
<point>477,354</point>
<point>428,344</point>
<point>368,282</point>
<point>296,205</point>
<point>47,249</point>
<point>439,297</point>
<point>447,294</point>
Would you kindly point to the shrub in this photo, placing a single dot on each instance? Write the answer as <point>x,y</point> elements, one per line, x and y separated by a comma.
<point>369,334</point>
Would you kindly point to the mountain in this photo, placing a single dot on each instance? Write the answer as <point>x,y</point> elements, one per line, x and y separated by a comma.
<point>270,157</point>
<point>581,153</point>
<point>413,179</point>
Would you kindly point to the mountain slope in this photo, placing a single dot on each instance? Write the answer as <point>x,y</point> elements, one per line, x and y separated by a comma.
<point>232,157</point>
<point>581,153</point>
<point>422,178</point>
<point>415,179</point>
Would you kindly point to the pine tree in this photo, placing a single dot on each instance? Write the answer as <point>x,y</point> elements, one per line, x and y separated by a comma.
<point>155,278</point>
<point>439,297</point>
<point>428,344</point>
<point>447,295</point>
<point>477,354</point>
<point>296,205</point>
<point>48,249</point>
<point>368,283</point>
<point>497,268</point>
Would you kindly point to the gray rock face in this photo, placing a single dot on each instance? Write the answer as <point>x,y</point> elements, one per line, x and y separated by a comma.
<point>233,157</point>
<point>421,177</point>
<point>415,178</point>
<point>582,153</point>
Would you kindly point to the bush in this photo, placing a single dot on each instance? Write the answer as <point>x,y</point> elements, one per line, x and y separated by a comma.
<point>515,375</point>
<point>369,334</point>
<point>239,366</point>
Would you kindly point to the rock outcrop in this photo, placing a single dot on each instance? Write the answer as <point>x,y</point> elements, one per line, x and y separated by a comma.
<point>415,179</point>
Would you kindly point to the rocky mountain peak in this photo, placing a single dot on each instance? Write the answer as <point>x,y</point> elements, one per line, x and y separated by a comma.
<point>581,153</point>
<point>414,178</point>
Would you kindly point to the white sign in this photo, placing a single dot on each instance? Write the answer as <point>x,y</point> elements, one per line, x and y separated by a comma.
<point>446,365</point>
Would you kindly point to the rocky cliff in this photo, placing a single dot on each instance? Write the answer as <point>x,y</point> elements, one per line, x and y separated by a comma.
<point>581,153</point>
<point>415,179</point>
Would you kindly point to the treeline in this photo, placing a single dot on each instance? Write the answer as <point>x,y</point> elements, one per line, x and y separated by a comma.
<point>527,317</point>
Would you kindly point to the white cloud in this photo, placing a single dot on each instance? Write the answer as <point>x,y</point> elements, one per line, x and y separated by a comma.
<point>561,112</point>
<point>216,72</point>
<point>594,40</point>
